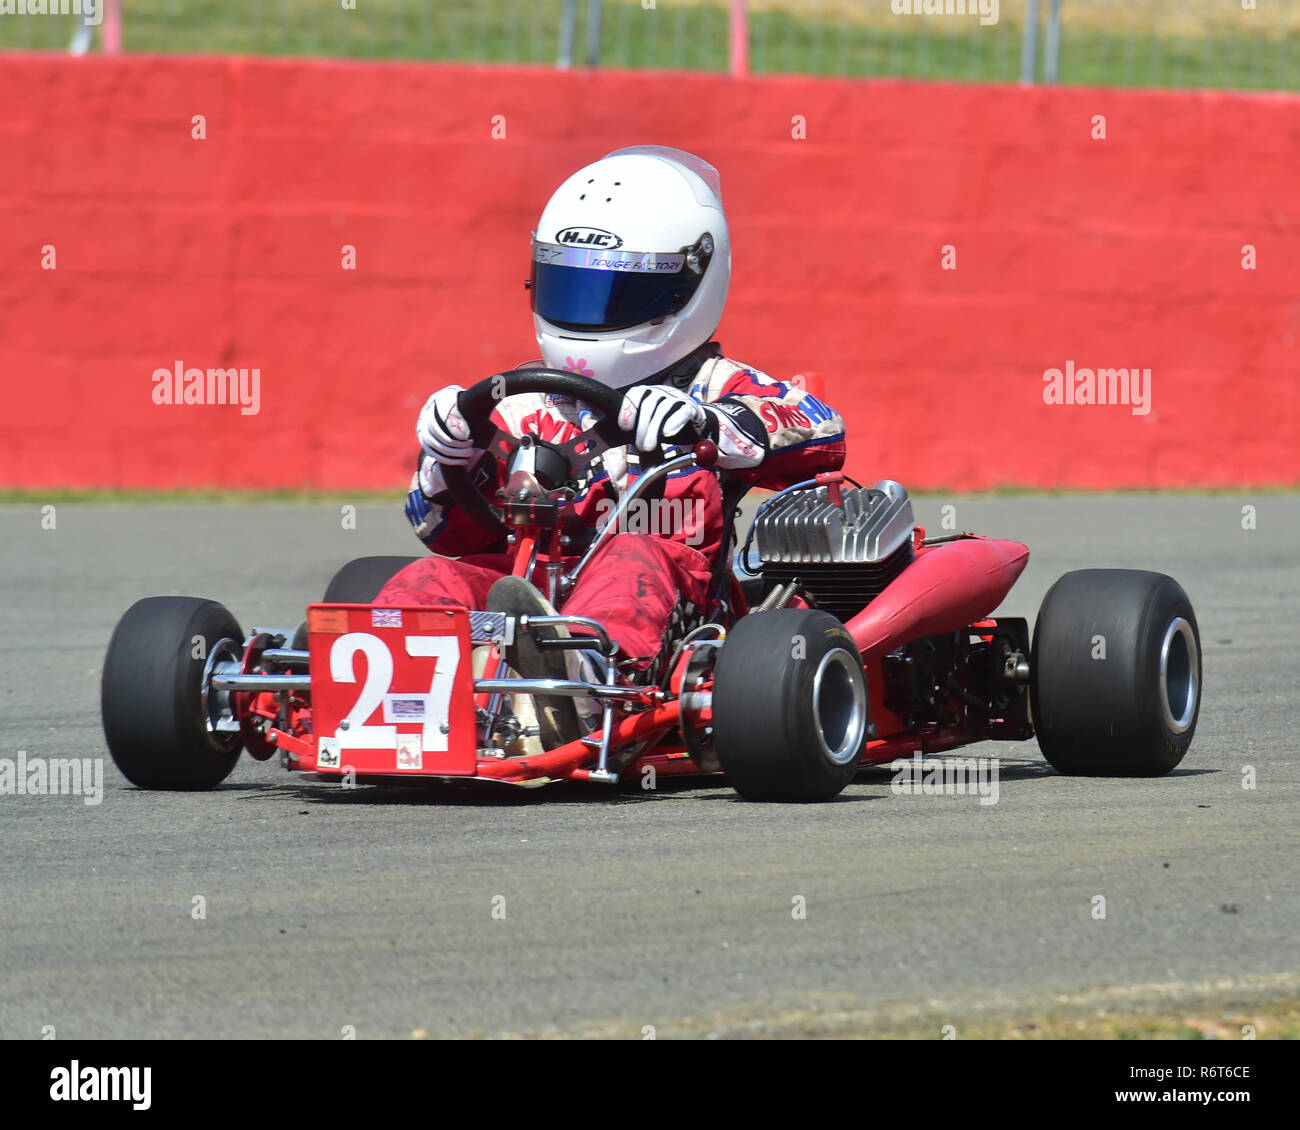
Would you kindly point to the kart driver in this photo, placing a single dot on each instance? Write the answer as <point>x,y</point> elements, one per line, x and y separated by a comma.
<point>631,266</point>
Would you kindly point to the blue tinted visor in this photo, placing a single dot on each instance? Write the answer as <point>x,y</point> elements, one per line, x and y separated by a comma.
<point>595,290</point>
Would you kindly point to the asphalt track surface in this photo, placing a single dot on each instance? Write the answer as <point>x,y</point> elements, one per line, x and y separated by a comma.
<point>372,908</point>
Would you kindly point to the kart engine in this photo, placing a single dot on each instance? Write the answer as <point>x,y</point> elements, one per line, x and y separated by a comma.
<point>844,555</point>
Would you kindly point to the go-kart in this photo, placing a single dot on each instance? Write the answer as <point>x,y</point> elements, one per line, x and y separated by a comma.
<point>837,635</point>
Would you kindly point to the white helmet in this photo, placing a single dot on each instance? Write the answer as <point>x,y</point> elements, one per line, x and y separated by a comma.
<point>631,265</point>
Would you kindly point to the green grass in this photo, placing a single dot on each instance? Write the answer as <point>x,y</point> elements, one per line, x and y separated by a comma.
<point>1271,1021</point>
<point>65,496</point>
<point>691,37</point>
<point>1011,490</point>
<point>396,496</point>
<point>1146,1015</point>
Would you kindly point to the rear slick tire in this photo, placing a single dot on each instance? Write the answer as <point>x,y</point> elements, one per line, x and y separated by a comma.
<point>1115,680</point>
<point>789,706</point>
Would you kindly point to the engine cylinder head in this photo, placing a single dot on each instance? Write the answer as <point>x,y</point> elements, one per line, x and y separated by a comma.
<point>844,555</point>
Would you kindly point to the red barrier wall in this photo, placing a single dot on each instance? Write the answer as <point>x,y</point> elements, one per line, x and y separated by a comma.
<point>1123,252</point>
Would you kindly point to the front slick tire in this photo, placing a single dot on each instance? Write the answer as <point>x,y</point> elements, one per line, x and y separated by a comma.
<point>789,706</point>
<point>1116,674</point>
<point>361,579</point>
<point>151,694</point>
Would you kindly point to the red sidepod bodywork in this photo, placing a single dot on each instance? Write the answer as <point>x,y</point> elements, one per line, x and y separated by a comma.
<point>947,588</point>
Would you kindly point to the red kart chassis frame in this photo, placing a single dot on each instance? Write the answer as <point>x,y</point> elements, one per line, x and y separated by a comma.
<point>948,590</point>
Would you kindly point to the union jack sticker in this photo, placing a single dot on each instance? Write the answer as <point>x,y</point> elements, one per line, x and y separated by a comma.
<point>385,618</point>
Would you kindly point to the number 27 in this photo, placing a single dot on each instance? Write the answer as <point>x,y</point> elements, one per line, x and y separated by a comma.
<point>379,677</point>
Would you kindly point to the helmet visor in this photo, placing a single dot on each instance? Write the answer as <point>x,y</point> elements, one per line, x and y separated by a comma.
<point>593,290</point>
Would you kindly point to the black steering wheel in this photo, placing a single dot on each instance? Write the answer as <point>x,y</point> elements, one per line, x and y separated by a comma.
<point>477,402</point>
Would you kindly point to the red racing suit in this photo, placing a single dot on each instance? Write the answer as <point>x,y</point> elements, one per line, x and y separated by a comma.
<point>659,565</point>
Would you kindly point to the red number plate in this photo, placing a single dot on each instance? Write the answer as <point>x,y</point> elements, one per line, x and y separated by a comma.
<point>391,690</point>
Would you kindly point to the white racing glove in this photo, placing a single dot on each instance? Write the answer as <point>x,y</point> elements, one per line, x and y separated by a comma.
<point>658,412</point>
<point>442,430</point>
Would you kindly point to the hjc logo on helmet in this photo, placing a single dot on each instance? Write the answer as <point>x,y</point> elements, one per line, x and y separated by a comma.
<point>589,237</point>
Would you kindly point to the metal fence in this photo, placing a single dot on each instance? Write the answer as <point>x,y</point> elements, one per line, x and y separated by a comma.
<point>1249,44</point>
